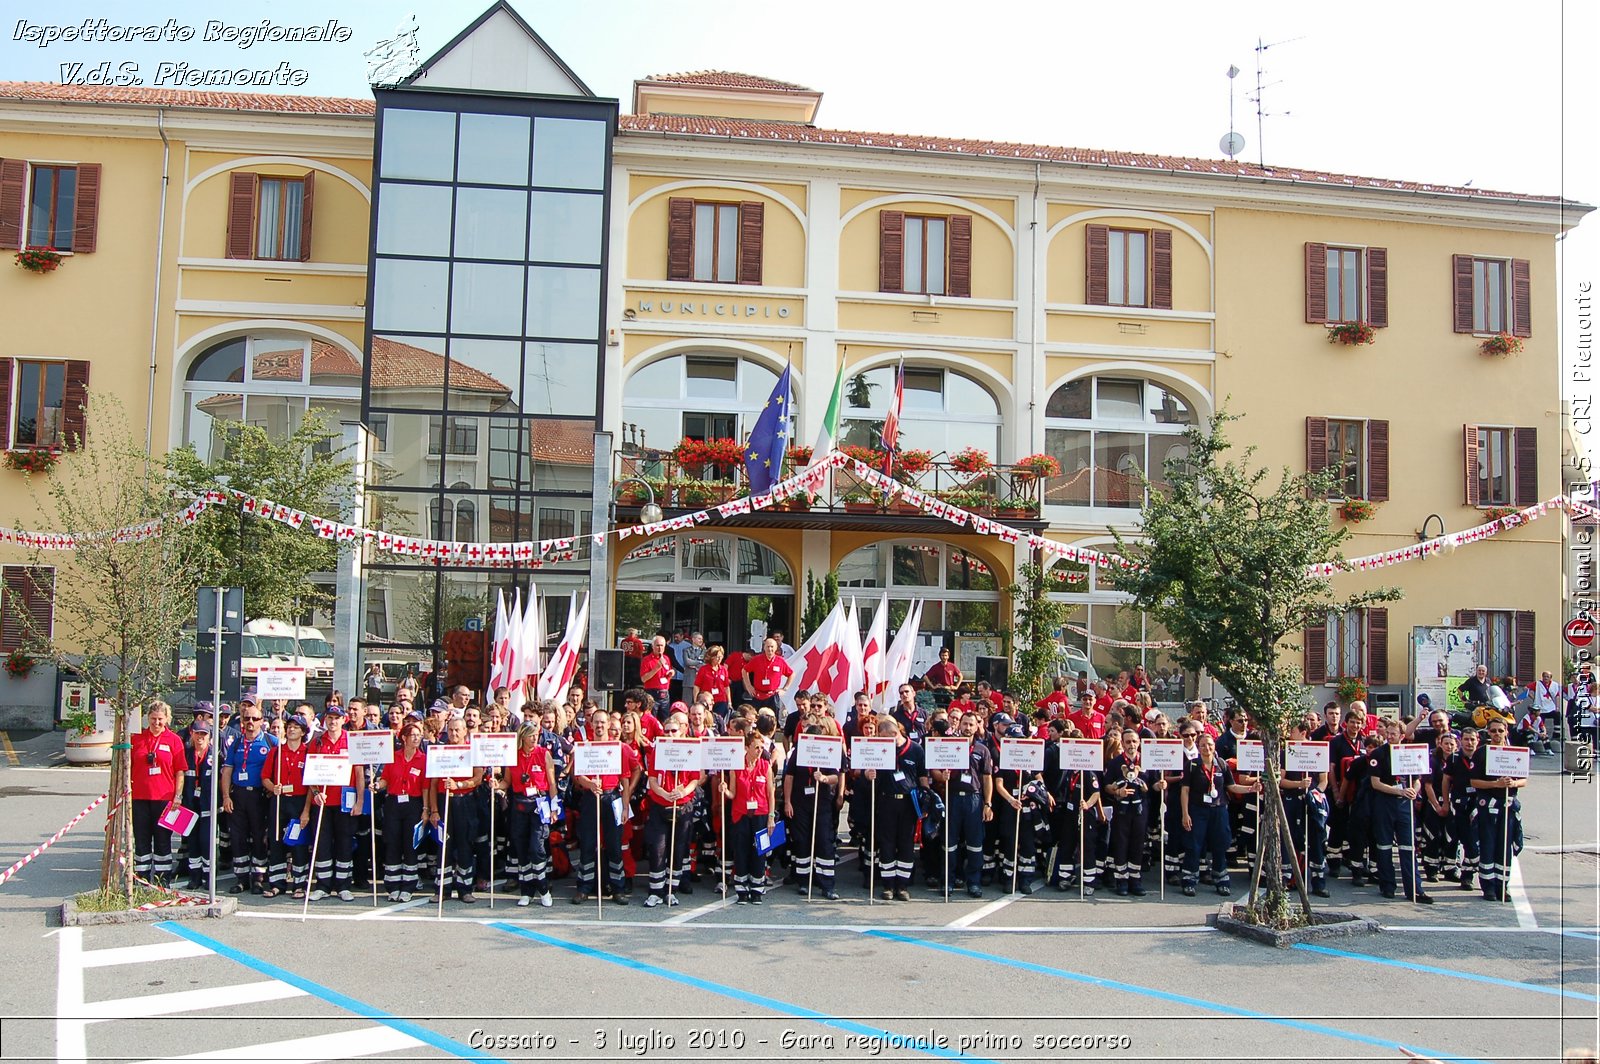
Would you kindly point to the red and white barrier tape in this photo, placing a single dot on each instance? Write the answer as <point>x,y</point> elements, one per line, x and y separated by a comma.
<point>51,841</point>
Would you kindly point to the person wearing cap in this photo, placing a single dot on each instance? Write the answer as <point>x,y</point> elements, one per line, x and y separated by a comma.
<point>157,766</point>
<point>333,835</point>
<point>244,800</point>
<point>402,783</point>
<point>198,787</point>
<point>283,777</point>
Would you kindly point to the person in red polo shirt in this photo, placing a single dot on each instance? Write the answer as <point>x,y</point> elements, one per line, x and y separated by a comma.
<point>402,782</point>
<point>283,776</point>
<point>656,670</point>
<point>712,679</point>
<point>944,677</point>
<point>1058,702</point>
<point>765,676</point>
<point>600,821</point>
<point>1089,720</point>
<point>667,837</point>
<point>158,767</point>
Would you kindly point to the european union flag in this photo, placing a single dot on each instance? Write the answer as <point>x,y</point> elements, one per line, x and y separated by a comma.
<point>763,454</point>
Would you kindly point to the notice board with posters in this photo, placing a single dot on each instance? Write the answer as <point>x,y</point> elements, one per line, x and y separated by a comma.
<point>1442,657</point>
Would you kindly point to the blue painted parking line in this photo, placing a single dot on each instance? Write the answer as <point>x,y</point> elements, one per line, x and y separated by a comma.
<point>1170,998</point>
<point>1453,974</point>
<point>905,1042</point>
<point>332,997</point>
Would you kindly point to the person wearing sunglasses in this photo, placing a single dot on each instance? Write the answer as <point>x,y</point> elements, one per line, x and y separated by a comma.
<point>334,844</point>
<point>157,767</point>
<point>244,799</point>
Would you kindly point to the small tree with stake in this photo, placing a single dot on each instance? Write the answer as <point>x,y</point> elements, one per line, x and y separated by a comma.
<point>120,601</point>
<point>1039,618</point>
<point>1226,565</point>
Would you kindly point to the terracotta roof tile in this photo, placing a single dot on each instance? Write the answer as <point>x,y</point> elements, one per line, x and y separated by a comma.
<point>795,133</point>
<point>726,79</point>
<point>778,132</point>
<point>281,103</point>
<point>398,365</point>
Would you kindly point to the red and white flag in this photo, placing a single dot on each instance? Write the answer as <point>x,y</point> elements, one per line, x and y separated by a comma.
<point>564,661</point>
<point>875,651</point>
<point>891,420</point>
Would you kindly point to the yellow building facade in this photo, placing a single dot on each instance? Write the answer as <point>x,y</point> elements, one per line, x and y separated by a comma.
<point>1084,305</point>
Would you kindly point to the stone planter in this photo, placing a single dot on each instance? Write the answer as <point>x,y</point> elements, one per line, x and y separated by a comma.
<point>91,749</point>
<point>1326,924</point>
<point>72,916</point>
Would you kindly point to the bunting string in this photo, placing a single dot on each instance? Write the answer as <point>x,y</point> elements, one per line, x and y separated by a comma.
<point>536,553</point>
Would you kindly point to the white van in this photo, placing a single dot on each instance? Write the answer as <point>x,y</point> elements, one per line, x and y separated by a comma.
<point>290,644</point>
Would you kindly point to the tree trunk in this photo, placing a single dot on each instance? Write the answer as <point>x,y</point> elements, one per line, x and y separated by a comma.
<point>1288,841</point>
<point>116,861</point>
<point>1268,832</point>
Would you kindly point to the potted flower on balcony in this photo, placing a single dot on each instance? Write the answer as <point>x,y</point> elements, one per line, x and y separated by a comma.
<point>632,494</point>
<point>971,460</point>
<point>1017,507</point>
<point>799,457</point>
<point>867,456</point>
<point>1036,465</point>
<point>799,502</point>
<point>19,663</point>
<point>33,459</point>
<point>1499,513</point>
<point>970,499</point>
<point>913,463</point>
<point>1351,333</point>
<point>1355,511</point>
<point>697,494</point>
<point>1501,344</point>
<point>39,260</point>
<point>860,502</point>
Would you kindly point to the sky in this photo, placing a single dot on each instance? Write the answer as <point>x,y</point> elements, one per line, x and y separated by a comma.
<point>1488,93</point>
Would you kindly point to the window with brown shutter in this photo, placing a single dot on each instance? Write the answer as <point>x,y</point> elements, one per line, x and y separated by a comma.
<point>5,404</point>
<point>680,239</point>
<point>1466,618</point>
<point>1161,269</point>
<point>1349,648</point>
<point>960,255</point>
<point>37,416</point>
<point>1525,649</point>
<point>891,251</point>
<point>1316,654</point>
<point>74,405</point>
<point>270,217</point>
<point>1316,269</point>
<point>1097,242</point>
<point>13,179</point>
<point>1505,642</point>
<point>1521,298</point>
<point>27,607</point>
<point>1316,444</point>
<point>241,216</point>
<point>1378,460</point>
<point>1525,465</point>
<point>86,211</point>
<point>1377,671</point>
<point>1469,448</point>
<point>752,224</point>
<point>1461,291</point>
<point>1378,287</point>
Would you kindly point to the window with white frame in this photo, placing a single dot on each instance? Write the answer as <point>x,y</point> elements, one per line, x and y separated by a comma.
<point>1106,431</point>
<point>270,381</point>
<point>943,410</point>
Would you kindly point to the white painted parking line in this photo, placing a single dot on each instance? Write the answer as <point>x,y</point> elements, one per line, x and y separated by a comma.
<point>72,1035</point>
<point>159,951</point>
<point>211,997</point>
<point>696,913</point>
<point>1519,900</point>
<point>982,911</point>
<point>342,1046</point>
<point>390,910</point>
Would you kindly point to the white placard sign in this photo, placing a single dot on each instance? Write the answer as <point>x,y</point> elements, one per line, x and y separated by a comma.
<point>597,759</point>
<point>1163,755</point>
<point>1251,756</point>
<point>947,753</point>
<point>327,770</point>
<point>724,753</point>
<point>105,718</point>
<point>1507,761</point>
<point>1409,759</point>
<point>1083,755</point>
<point>286,681</point>
<point>371,748</point>
<point>872,751</point>
<point>679,755</point>
<point>1305,757</point>
<point>446,760</point>
<point>494,749</point>
<point>1022,755</point>
<point>819,751</point>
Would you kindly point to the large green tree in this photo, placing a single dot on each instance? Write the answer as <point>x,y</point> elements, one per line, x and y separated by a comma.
<point>271,561</point>
<point>1226,558</point>
<point>120,601</point>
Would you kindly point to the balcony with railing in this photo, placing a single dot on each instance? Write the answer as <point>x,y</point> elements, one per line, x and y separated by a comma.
<point>704,475</point>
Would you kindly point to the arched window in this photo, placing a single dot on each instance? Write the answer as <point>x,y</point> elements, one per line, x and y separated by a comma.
<point>270,381</point>
<point>1104,635</point>
<point>943,410</point>
<point>1106,431</point>
<point>959,589</point>
<point>704,560</point>
<point>694,396</point>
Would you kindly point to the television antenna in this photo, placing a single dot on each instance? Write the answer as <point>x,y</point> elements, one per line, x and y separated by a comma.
<point>1232,143</point>
<point>1257,98</point>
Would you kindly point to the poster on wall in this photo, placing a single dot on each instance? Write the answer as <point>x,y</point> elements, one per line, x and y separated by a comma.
<point>1442,657</point>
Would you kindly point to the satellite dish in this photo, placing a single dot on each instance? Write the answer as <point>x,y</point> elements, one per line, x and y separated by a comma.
<point>1231,144</point>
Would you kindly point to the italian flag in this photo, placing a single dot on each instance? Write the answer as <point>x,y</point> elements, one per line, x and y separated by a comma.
<point>828,438</point>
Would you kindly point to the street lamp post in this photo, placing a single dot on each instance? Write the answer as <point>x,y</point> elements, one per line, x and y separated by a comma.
<point>649,513</point>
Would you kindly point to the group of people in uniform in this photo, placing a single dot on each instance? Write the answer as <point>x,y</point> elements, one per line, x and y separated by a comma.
<point>954,830</point>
